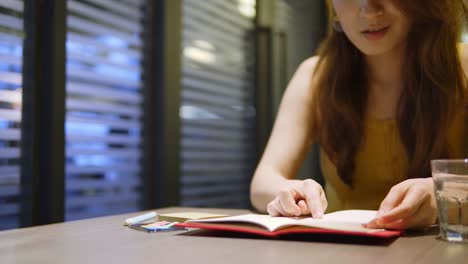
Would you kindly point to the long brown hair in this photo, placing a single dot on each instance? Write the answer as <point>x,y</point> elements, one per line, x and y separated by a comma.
<point>434,85</point>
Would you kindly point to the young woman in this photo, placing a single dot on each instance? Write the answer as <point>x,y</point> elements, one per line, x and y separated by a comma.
<point>386,94</point>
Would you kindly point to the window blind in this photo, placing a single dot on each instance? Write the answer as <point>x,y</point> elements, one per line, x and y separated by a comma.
<point>217,110</point>
<point>104,107</point>
<point>11,53</point>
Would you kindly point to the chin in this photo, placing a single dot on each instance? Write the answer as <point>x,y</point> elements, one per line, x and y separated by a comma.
<point>373,51</point>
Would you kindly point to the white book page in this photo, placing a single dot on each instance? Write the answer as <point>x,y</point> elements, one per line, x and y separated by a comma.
<point>351,216</point>
<point>349,220</point>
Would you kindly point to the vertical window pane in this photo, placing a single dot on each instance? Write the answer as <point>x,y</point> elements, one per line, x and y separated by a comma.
<point>104,107</point>
<point>11,53</point>
<point>217,112</point>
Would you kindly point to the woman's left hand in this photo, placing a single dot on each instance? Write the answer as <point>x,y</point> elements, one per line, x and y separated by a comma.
<point>409,205</point>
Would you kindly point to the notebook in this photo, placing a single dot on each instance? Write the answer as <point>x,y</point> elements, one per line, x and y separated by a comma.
<point>347,222</point>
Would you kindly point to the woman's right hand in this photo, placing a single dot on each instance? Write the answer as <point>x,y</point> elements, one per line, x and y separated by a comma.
<point>299,197</point>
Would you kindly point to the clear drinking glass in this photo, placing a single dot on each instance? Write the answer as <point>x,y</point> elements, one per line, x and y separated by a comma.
<point>451,192</point>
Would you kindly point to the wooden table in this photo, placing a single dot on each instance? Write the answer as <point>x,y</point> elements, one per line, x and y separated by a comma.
<point>105,240</point>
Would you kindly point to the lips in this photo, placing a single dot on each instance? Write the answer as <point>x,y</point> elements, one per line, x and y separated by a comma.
<point>375,33</point>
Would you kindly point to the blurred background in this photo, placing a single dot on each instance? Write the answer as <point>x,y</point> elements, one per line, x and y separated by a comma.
<point>115,106</point>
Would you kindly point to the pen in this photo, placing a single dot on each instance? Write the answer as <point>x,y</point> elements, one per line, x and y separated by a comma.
<point>140,218</point>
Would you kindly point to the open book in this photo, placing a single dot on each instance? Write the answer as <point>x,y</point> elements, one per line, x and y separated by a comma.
<point>348,222</point>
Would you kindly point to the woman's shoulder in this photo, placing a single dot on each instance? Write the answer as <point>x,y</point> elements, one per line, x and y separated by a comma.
<point>303,78</point>
<point>310,62</point>
<point>308,66</point>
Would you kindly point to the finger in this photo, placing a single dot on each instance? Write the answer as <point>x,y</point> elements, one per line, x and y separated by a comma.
<point>271,209</point>
<point>288,203</point>
<point>411,203</point>
<point>303,206</point>
<point>274,208</point>
<point>419,220</point>
<point>280,208</point>
<point>374,224</point>
<point>312,192</point>
<point>393,198</point>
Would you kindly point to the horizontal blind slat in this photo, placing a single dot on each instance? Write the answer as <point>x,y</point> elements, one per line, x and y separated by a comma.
<point>207,178</point>
<point>216,79</point>
<point>208,87</point>
<point>9,209</point>
<point>101,78</point>
<point>9,178</point>
<point>108,139</point>
<point>220,111</point>
<point>100,184</point>
<point>90,59</point>
<point>127,169</point>
<point>100,30</point>
<point>11,39</point>
<point>234,71</point>
<point>231,156</point>
<point>188,130</point>
<point>10,134</point>
<point>133,154</point>
<point>10,115</point>
<point>103,16</point>
<point>208,167</point>
<point>122,9</point>
<point>118,124</point>
<point>11,77</point>
<point>106,93</point>
<point>7,58</point>
<point>135,3</point>
<point>223,123</point>
<point>88,105</point>
<point>208,98</point>
<point>7,191</point>
<point>95,44</point>
<point>216,144</point>
<point>9,170</point>
<point>219,190</point>
<point>15,5</point>
<point>216,36</point>
<point>9,153</point>
<point>14,97</point>
<point>229,12</point>
<point>217,201</point>
<point>210,13</point>
<point>11,22</point>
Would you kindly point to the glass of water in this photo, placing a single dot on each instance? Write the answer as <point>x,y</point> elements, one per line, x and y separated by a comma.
<point>451,192</point>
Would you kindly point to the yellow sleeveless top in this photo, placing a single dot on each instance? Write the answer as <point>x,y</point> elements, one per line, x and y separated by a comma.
<point>381,163</point>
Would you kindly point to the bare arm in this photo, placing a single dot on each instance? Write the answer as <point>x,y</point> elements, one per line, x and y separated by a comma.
<point>289,141</point>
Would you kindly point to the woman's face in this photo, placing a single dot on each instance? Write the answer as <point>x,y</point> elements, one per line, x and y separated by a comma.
<point>373,26</point>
